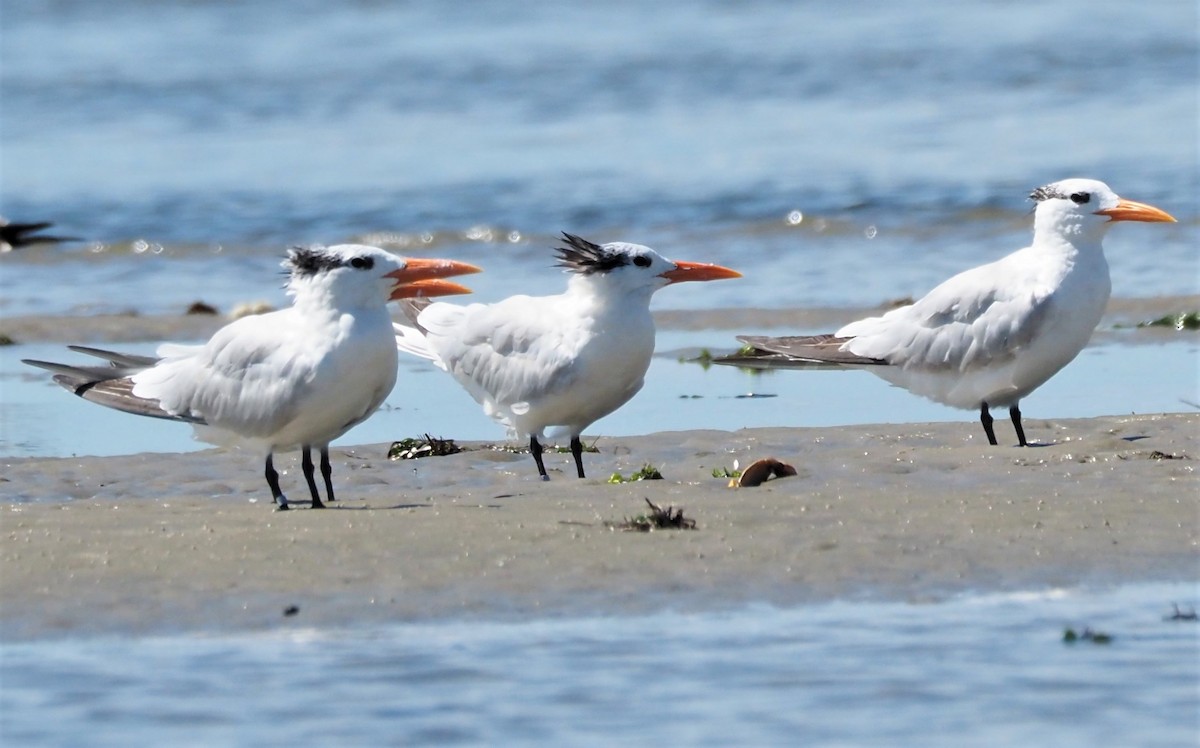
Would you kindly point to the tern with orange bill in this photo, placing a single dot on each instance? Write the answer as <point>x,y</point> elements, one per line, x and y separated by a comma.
<point>556,362</point>
<point>991,335</point>
<point>296,378</point>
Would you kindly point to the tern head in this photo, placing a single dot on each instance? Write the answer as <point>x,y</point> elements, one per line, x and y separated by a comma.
<point>350,275</point>
<point>1086,207</point>
<point>631,268</point>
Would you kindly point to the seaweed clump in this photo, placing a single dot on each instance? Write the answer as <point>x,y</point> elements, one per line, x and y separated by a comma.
<point>1070,636</point>
<point>658,518</point>
<point>413,448</point>
<point>648,472</point>
<point>1180,321</point>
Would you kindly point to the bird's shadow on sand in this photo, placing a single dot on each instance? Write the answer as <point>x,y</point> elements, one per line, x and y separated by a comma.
<point>1054,444</point>
<point>344,508</point>
<point>340,507</point>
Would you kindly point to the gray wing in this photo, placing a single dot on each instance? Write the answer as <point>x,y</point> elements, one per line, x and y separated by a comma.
<point>127,360</point>
<point>110,386</point>
<point>795,352</point>
<point>412,308</point>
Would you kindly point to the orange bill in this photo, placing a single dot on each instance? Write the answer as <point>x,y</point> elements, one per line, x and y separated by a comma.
<point>419,269</point>
<point>699,271</point>
<point>427,289</point>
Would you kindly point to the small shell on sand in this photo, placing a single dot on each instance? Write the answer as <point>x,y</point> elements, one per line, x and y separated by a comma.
<point>760,471</point>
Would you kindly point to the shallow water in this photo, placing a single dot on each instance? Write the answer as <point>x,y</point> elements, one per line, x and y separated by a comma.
<point>838,160</point>
<point>973,670</point>
<point>40,419</point>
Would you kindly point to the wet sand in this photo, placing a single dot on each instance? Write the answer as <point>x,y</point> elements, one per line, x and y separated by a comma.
<point>169,543</point>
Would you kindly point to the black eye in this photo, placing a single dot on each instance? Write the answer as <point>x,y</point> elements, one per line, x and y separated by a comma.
<point>362,263</point>
<point>1079,198</point>
<point>641,261</point>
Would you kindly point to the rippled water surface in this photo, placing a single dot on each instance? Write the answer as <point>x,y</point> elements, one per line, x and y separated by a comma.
<point>990,670</point>
<point>836,157</point>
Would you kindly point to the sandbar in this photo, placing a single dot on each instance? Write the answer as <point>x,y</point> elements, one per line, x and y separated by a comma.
<point>156,543</point>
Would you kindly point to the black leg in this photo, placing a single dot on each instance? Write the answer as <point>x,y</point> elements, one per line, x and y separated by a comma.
<point>306,464</point>
<point>577,453</point>
<point>986,419</point>
<point>327,473</point>
<point>536,450</point>
<point>273,483</point>
<point>1015,413</point>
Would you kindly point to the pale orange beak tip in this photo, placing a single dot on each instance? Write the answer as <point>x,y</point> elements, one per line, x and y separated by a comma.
<point>1130,210</point>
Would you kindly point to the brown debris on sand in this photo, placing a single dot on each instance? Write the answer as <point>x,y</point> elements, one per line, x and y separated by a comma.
<point>760,471</point>
<point>659,518</point>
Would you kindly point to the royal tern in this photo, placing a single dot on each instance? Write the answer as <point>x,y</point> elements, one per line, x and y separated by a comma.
<point>296,378</point>
<point>556,362</point>
<point>993,334</point>
<point>17,235</point>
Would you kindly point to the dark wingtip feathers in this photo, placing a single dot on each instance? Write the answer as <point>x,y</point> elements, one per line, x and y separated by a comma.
<point>808,351</point>
<point>110,385</point>
<point>18,235</point>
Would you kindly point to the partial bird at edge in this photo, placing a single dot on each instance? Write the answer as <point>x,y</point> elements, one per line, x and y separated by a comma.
<point>18,235</point>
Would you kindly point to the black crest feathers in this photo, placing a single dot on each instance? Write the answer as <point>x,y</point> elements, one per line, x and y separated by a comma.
<point>583,257</point>
<point>1046,193</point>
<point>308,261</point>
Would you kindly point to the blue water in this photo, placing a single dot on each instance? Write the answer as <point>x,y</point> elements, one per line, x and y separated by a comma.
<point>903,138</point>
<point>989,670</point>
<point>211,122</point>
<point>38,418</point>
<point>838,155</point>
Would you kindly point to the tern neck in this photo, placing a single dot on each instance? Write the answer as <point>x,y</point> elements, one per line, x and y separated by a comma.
<point>1069,253</point>
<point>600,306</point>
<point>1075,229</point>
<point>324,298</point>
<point>600,292</point>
